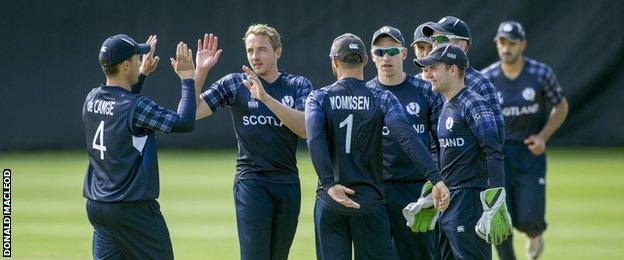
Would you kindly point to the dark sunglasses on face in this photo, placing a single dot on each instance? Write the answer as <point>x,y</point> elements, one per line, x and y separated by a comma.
<point>392,51</point>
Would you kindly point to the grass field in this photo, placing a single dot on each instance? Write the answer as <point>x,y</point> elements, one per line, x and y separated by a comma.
<point>585,208</point>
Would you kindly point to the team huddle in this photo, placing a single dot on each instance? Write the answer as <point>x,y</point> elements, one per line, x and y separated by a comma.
<point>438,165</point>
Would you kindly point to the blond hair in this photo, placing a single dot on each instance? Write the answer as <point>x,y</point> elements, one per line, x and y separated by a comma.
<point>265,30</point>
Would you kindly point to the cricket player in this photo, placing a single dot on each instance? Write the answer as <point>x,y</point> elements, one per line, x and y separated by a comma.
<point>534,108</point>
<point>454,31</point>
<point>422,44</point>
<point>267,109</point>
<point>344,124</point>
<point>121,183</point>
<point>402,179</point>
<point>471,160</point>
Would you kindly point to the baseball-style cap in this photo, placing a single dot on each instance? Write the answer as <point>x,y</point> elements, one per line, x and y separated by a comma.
<point>510,30</point>
<point>388,31</point>
<point>120,47</point>
<point>448,25</point>
<point>347,44</point>
<point>419,36</point>
<point>445,53</point>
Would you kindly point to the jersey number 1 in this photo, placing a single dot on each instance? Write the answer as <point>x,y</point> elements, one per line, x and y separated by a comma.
<point>349,123</point>
<point>99,135</point>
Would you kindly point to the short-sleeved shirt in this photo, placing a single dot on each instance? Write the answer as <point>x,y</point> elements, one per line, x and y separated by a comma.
<point>527,100</point>
<point>266,147</point>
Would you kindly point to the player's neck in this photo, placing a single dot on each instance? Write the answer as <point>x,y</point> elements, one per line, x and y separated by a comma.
<point>513,70</point>
<point>114,81</point>
<point>452,91</point>
<point>356,73</point>
<point>393,80</point>
<point>271,75</point>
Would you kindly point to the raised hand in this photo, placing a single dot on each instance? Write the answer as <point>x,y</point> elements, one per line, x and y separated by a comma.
<point>183,63</point>
<point>254,85</point>
<point>339,194</point>
<point>149,63</point>
<point>207,54</point>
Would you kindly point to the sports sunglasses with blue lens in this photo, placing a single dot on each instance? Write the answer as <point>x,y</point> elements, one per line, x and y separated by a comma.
<point>439,39</point>
<point>392,51</point>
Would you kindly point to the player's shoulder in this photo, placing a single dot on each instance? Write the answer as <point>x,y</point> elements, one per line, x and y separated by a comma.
<point>374,82</point>
<point>419,84</point>
<point>469,99</point>
<point>232,78</point>
<point>537,68</point>
<point>297,81</point>
<point>491,71</point>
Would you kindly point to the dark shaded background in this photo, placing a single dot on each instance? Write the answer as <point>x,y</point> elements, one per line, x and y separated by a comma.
<point>49,55</point>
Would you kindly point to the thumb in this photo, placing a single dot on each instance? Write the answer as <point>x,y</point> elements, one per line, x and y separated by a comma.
<point>156,60</point>
<point>173,62</point>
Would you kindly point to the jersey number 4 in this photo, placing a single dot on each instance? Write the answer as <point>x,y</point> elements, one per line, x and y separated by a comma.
<point>349,123</point>
<point>99,137</point>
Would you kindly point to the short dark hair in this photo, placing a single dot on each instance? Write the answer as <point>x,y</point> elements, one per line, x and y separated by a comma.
<point>110,71</point>
<point>352,61</point>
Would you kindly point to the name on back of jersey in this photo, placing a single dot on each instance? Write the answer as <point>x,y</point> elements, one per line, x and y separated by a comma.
<point>349,102</point>
<point>102,107</point>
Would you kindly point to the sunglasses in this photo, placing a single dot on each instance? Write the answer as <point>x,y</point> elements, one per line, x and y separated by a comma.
<point>445,38</point>
<point>392,51</point>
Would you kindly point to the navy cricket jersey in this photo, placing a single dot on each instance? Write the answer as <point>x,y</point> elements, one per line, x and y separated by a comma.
<point>266,147</point>
<point>470,143</point>
<point>343,124</point>
<point>478,83</point>
<point>526,100</point>
<point>422,107</point>
<point>122,162</point>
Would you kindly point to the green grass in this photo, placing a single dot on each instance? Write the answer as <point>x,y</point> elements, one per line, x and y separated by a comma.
<point>585,208</point>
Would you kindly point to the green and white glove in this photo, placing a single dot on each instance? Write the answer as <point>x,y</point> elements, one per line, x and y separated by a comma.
<point>494,226</point>
<point>421,215</point>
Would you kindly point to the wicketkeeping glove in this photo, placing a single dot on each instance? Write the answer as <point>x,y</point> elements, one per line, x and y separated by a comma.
<point>421,215</point>
<point>494,226</point>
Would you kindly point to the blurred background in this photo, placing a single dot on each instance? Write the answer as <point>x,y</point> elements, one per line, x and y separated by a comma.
<point>49,53</point>
<point>50,49</point>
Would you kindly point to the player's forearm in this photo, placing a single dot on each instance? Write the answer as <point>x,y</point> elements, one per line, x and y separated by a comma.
<point>318,148</point>
<point>292,118</point>
<point>186,108</point>
<point>137,87</point>
<point>555,120</point>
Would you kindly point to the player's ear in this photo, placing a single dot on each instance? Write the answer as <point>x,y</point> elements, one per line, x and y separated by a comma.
<point>524,44</point>
<point>278,52</point>
<point>404,53</point>
<point>365,61</point>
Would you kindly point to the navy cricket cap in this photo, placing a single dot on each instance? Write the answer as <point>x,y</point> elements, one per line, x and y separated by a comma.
<point>388,31</point>
<point>448,25</point>
<point>347,44</point>
<point>419,36</point>
<point>120,47</point>
<point>510,30</point>
<point>445,53</point>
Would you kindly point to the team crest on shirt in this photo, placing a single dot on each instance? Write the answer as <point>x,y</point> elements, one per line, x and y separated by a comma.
<point>528,94</point>
<point>252,103</point>
<point>412,108</point>
<point>500,97</point>
<point>288,101</point>
<point>449,123</point>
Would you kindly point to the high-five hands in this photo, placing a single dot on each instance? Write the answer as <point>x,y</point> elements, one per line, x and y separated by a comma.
<point>183,63</point>
<point>207,54</point>
<point>149,62</point>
